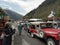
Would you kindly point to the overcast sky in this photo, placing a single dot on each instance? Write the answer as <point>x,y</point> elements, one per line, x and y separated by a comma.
<point>20,6</point>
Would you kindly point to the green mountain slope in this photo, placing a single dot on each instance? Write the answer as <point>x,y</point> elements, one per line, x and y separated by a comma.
<point>13,14</point>
<point>45,9</point>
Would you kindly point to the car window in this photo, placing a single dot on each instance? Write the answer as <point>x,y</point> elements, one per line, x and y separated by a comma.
<point>59,25</point>
<point>37,25</point>
<point>55,25</point>
<point>32,26</point>
<point>42,25</point>
<point>49,25</point>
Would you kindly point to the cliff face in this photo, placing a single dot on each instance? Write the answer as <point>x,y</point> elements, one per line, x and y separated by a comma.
<point>45,8</point>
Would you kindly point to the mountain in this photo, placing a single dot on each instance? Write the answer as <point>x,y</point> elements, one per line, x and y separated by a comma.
<point>13,14</point>
<point>45,9</point>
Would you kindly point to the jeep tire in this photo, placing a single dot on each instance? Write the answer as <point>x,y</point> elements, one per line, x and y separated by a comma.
<point>41,34</point>
<point>51,41</point>
<point>32,35</point>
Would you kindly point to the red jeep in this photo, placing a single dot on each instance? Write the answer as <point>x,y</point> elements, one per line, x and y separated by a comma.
<point>46,31</point>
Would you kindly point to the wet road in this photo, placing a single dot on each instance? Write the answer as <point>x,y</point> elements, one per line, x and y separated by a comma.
<point>25,39</point>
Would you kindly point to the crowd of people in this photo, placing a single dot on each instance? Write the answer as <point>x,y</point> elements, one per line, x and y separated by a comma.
<point>7,32</point>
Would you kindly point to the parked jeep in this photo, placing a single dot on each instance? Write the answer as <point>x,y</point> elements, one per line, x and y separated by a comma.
<point>27,23</point>
<point>46,31</point>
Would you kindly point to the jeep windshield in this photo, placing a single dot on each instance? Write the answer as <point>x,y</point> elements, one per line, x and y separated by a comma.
<point>48,25</point>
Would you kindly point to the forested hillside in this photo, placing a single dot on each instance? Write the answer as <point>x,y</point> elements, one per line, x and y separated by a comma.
<point>45,9</point>
<point>13,14</point>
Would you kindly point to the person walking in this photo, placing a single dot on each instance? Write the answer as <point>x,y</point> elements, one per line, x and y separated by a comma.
<point>1,35</point>
<point>7,40</point>
<point>19,28</point>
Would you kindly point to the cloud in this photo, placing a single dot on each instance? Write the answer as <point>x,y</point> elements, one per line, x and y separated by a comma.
<point>23,6</point>
<point>10,8</point>
<point>12,1</point>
